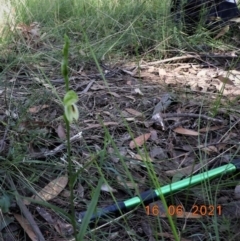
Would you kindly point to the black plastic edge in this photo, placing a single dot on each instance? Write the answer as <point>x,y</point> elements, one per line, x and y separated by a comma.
<point>149,196</point>
<point>104,212</point>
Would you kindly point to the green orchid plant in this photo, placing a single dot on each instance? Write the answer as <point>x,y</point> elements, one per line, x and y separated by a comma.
<point>71,113</point>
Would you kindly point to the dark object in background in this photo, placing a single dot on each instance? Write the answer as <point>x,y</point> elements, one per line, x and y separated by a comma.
<point>209,13</point>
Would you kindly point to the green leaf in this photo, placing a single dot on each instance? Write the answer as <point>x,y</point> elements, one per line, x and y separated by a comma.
<point>70,98</point>
<point>90,211</point>
<point>64,68</point>
<point>66,46</point>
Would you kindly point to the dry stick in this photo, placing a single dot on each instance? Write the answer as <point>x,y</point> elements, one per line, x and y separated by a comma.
<point>61,80</point>
<point>179,123</point>
<point>188,56</point>
<point>88,87</point>
<point>26,212</point>
<point>57,149</point>
<point>170,115</point>
<point>77,77</point>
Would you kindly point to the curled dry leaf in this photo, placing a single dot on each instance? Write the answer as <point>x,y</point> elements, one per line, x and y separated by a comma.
<point>107,188</point>
<point>184,131</point>
<point>138,91</point>
<point>36,109</point>
<point>131,98</point>
<point>139,141</point>
<point>64,229</point>
<point>52,189</point>
<point>142,157</point>
<point>209,149</point>
<point>131,73</point>
<point>98,87</point>
<point>225,80</point>
<point>114,94</point>
<point>134,112</point>
<point>61,132</point>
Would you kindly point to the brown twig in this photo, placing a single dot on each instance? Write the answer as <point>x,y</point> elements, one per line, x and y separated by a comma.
<point>57,149</point>
<point>189,56</point>
<point>200,116</point>
<point>179,123</point>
